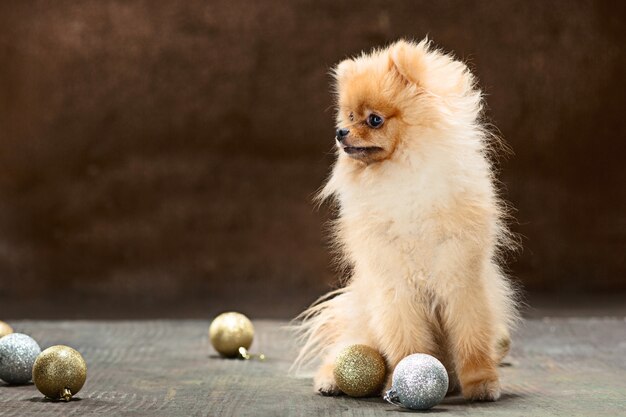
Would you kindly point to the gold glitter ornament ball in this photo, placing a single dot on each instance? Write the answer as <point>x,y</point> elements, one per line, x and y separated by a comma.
<point>5,329</point>
<point>229,332</point>
<point>360,371</point>
<point>59,372</point>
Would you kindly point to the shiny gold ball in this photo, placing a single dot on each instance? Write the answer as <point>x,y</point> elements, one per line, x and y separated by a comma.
<point>229,332</point>
<point>360,371</point>
<point>5,329</point>
<point>59,372</point>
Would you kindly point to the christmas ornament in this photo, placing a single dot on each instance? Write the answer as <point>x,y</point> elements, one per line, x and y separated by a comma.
<point>59,372</point>
<point>419,382</point>
<point>5,329</point>
<point>359,371</point>
<point>17,355</point>
<point>229,332</point>
<point>244,354</point>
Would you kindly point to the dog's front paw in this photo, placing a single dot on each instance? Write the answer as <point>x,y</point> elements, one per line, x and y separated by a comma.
<point>324,381</point>
<point>487,389</point>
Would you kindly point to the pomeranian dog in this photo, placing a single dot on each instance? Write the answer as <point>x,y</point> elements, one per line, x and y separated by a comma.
<point>420,226</point>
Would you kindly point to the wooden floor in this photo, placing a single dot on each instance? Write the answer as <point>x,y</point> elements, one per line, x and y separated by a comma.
<point>558,367</point>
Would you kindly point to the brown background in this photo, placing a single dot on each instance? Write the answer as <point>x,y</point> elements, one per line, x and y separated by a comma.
<point>157,158</point>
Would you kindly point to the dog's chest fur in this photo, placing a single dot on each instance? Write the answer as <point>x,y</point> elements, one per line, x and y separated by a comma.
<point>391,225</point>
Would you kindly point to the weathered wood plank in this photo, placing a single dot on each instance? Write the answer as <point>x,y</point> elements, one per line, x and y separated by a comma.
<point>563,367</point>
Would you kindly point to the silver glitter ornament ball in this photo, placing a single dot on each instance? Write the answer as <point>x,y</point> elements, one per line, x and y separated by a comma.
<point>419,382</point>
<point>17,356</point>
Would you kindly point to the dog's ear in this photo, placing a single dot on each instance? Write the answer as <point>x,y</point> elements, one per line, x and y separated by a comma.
<point>434,71</point>
<point>343,70</point>
<point>406,60</point>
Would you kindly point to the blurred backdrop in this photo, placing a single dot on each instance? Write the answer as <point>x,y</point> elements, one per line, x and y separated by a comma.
<point>158,158</point>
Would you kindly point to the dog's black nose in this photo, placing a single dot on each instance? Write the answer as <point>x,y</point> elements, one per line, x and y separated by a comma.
<point>342,133</point>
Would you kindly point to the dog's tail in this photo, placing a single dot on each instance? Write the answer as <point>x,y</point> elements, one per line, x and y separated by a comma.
<point>318,327</point>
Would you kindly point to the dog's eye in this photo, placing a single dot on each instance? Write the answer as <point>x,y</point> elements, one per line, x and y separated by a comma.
<point>351,117</point>
<point>375,121</point>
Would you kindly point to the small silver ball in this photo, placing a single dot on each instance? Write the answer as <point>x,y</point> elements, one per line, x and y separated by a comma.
<point>17,356</point>
<point>419,382</point>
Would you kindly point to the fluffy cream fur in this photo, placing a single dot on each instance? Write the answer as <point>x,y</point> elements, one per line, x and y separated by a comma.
<point>419,226</point>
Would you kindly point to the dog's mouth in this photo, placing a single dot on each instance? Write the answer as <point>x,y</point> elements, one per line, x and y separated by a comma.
<point>361,150</point>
